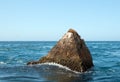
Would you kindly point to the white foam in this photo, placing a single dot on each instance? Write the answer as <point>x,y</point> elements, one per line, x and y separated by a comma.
<point>60,66</point>
<point>2,63</point>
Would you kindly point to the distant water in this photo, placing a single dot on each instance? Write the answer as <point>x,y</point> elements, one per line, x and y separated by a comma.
<point>15,55</point>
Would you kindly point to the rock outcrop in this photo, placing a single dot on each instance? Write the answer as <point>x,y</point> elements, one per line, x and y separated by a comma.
<point>70,51</point>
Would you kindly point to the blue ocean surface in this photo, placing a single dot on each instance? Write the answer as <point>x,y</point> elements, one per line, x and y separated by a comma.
<point>15,55</point>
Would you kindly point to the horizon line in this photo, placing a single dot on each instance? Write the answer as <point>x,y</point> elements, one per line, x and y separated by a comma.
<point>55,40</point>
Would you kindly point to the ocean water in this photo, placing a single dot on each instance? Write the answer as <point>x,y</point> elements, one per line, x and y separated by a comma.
<point>15,55</point>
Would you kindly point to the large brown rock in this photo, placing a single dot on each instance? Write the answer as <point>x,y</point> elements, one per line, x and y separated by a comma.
<point>70,51</point>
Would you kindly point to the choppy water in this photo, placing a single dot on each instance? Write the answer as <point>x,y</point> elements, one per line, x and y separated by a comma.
<point>15,55</point>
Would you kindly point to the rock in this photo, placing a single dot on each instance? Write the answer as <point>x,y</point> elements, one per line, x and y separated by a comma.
<point>70,51</point>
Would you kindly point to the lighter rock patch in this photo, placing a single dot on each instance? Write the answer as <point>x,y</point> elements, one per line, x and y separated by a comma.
<point>68,35</point>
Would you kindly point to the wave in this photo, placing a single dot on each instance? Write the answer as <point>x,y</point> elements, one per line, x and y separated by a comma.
<point>60,66</point>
